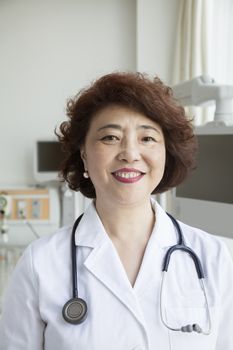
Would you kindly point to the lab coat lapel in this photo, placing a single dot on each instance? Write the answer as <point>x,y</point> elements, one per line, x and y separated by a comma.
<point>104,263</point>
<point>162,237</point>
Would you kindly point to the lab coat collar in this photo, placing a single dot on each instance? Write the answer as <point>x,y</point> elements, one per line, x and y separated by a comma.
<point>162,237</point>
<point>91,232</point>
<point>164,231</point>
<point>104,263</point>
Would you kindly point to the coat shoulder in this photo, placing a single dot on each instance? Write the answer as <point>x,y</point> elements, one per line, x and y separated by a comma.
<point>212,246</point>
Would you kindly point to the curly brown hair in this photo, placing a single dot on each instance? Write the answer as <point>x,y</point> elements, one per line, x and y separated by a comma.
<point>138,92</point>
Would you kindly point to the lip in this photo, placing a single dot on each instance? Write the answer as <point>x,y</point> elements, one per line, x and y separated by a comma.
<point>128,175</point>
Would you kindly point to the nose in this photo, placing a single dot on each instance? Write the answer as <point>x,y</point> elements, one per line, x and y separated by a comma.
<point>129,152</point>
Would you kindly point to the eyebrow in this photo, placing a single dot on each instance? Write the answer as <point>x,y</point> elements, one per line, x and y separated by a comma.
<point>110,126</point>
<point>118,127</point>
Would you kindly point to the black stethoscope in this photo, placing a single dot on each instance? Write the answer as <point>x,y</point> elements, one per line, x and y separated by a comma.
<point>75,310</point>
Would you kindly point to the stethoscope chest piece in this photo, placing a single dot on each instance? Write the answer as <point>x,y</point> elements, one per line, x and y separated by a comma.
<point>75,311</point>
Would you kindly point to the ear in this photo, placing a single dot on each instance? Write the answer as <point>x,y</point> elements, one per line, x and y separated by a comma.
<point>83,156</point>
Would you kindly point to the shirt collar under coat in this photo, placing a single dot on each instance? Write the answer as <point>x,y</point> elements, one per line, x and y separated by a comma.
<point>91,232</point>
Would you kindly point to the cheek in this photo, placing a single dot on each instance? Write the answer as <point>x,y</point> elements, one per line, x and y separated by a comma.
<point>159,158</point>
<point>96,159</point>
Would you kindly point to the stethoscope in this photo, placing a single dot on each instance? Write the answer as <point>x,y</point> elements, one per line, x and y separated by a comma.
<point>75,310</point>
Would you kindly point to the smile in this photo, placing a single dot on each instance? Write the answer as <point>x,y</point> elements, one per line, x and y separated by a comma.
<point>129,176</point>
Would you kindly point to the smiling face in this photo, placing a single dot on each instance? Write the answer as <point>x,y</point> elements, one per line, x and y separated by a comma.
<point>124,153</point>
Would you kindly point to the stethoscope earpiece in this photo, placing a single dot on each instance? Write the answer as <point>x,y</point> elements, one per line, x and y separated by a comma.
<point>75,311</point>
<point>191,328</point>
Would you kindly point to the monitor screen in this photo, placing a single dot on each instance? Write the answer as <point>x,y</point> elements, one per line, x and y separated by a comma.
<point>49,156</point>
<point>213,178</point>
<point>47,160</point>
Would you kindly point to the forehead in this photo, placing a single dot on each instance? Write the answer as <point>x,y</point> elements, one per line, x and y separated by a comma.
<point>121,115</point>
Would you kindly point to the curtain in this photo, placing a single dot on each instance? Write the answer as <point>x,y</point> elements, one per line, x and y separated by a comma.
<point>192,49</point>
<point>192,59</point>
<point>192,55</point>
<point>221,50</point>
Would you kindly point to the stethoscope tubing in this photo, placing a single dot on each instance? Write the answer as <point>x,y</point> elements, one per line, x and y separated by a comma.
<point>75,309</point>
<point>185,249</point>
<point>74,259</point>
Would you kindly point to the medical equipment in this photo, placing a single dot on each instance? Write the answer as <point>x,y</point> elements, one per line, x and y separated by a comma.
<point>48,156</point>
<point>207,192</point>
<point>203,90</point>
<point>9,256</point>
<point>25,209</point>
<point>5,204</point>
<point>73,204</point>
<point>75,310</point>
<point>181,246</point>
<point>26,213</point>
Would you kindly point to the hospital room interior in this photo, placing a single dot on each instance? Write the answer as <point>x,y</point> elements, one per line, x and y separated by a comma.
<point>50,49</point>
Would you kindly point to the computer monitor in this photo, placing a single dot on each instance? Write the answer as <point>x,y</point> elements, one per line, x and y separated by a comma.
<point>48,156</point>
<point>205,199</point>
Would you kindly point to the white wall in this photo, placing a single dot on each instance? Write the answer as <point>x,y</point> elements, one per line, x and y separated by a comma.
<point>52,48</point>
<point>156,34</point>
<point>49,50</point>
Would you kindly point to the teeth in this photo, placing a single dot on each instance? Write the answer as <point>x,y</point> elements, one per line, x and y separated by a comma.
<point>128,175</point>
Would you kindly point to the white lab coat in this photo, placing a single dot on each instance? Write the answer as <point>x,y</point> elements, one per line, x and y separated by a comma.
<point>119,317</point>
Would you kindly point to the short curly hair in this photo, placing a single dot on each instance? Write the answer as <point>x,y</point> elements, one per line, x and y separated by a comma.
<point>138,92</point>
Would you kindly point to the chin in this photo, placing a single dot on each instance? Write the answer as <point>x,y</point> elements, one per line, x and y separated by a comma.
<point>131,199</point>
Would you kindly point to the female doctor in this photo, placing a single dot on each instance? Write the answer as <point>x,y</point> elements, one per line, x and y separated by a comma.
<point>126,138</point>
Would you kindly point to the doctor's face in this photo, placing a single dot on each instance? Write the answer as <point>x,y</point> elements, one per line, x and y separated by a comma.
<point>124,153</point>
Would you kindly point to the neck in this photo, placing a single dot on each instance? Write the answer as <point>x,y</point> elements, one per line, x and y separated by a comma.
<point>127,223</point>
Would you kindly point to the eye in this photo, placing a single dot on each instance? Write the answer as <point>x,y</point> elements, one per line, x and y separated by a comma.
<point>110,139</point>
<point>148,139</point>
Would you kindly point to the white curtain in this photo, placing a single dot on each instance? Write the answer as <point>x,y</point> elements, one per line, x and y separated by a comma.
<point>192,58</point>
<point>221,50</point>
<point>193,47</point>
<point>204,45</point>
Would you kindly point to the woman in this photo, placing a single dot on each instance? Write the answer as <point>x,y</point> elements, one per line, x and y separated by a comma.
<point>126,138</point>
